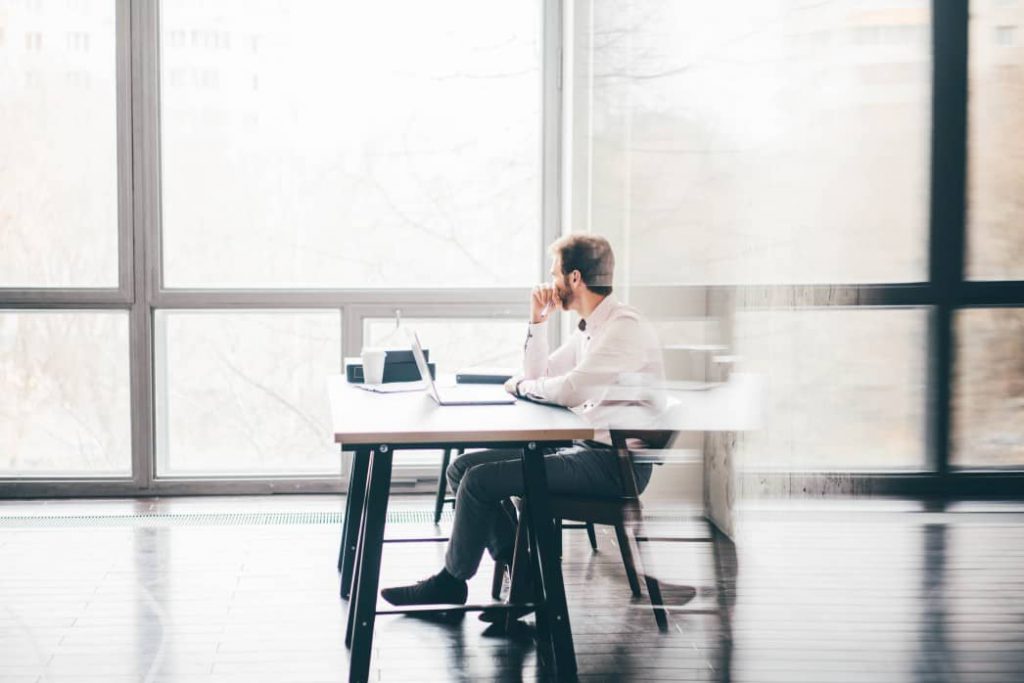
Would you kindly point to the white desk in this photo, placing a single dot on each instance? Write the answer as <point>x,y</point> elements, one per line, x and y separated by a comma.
<point>375,426</point>
<point>365,418</point>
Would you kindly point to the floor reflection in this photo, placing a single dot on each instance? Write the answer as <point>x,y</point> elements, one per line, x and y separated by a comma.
<point>826,594</point>
<point>934,660</point>
<point>151,588</point>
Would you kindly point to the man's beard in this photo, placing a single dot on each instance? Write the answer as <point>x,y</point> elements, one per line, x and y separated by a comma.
<point>564,293</point>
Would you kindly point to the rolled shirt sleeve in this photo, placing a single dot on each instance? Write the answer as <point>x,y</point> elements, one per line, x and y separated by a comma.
<point>536,361</point>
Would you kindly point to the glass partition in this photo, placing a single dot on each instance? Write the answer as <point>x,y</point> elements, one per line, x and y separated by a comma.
<point>755,142</point>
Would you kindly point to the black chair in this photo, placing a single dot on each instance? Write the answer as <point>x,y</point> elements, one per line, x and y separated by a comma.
<point>442,498</point>
<point>624,513</point>
<point>442,485</point>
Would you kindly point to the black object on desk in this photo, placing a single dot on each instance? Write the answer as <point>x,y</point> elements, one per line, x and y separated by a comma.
<point>399,366</point>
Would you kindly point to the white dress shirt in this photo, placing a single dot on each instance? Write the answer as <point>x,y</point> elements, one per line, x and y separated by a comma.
<point>612,359</point>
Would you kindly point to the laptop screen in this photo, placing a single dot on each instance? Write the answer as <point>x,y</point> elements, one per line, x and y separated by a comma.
<point>421,363</point>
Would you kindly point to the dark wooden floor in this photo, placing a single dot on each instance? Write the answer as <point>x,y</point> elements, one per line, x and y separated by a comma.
<point>853,591</point>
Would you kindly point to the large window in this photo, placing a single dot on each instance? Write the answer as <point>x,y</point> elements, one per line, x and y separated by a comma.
<point>762,142</point>
<point>205,206</point>
<point>273,170</point>
<point>58,136</point>
<point>771,145</point>
<point>350,144</point>
<point>797,160</point>
<point>988,377</point>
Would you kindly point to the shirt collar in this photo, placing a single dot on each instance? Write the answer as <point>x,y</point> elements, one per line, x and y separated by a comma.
<point>599,315</point>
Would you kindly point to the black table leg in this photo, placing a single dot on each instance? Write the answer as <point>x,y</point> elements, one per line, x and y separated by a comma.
<point>353,517</point>
<point>545,645</point>
<point>364,598</point>
<point>539,518</point>
<point>360,545</point>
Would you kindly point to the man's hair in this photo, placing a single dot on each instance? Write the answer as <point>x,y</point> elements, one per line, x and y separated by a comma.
<point>589,254</point>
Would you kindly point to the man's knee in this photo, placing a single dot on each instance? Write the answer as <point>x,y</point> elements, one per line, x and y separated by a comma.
<point>478,481</point>
<point>454,473</point>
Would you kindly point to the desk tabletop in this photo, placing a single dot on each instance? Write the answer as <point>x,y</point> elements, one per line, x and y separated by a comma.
<point>361,418</point>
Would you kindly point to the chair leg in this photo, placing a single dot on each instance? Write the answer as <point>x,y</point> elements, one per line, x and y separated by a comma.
<point>498,580</point>
<point>442,485</point>
<point>627,559</point>
<point>635,520</point>
<point>592,535</point>
<point>654,591</point>
<point>558,536</point>
<point>501,567</point>
<point>521,564</point>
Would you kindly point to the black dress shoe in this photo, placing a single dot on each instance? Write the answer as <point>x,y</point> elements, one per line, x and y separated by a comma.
<point>494,615</point>
<point>440,589</point>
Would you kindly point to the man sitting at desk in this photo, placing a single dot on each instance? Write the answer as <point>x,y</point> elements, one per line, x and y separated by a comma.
<point>613,346</point>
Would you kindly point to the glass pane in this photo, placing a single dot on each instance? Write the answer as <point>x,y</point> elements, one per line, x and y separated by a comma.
<point>844,389</point>
<point>64,394</point>
<point>245,392</point>
<point>756,142</point>
<point>371,144</point>
<point>455,343</point>
<point>988,399</point>
<point>58,136</point>
<point>995,216</point>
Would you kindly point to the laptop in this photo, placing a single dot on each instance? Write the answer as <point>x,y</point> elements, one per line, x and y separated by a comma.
<point>460,395</point>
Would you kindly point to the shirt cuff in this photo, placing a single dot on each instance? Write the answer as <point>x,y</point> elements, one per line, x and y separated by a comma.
<point>526,387</point>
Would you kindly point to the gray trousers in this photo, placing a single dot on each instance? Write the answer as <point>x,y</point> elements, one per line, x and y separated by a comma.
<point>481,480</point>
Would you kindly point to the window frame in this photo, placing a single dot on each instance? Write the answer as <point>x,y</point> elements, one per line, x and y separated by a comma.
<point>140,288</point>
